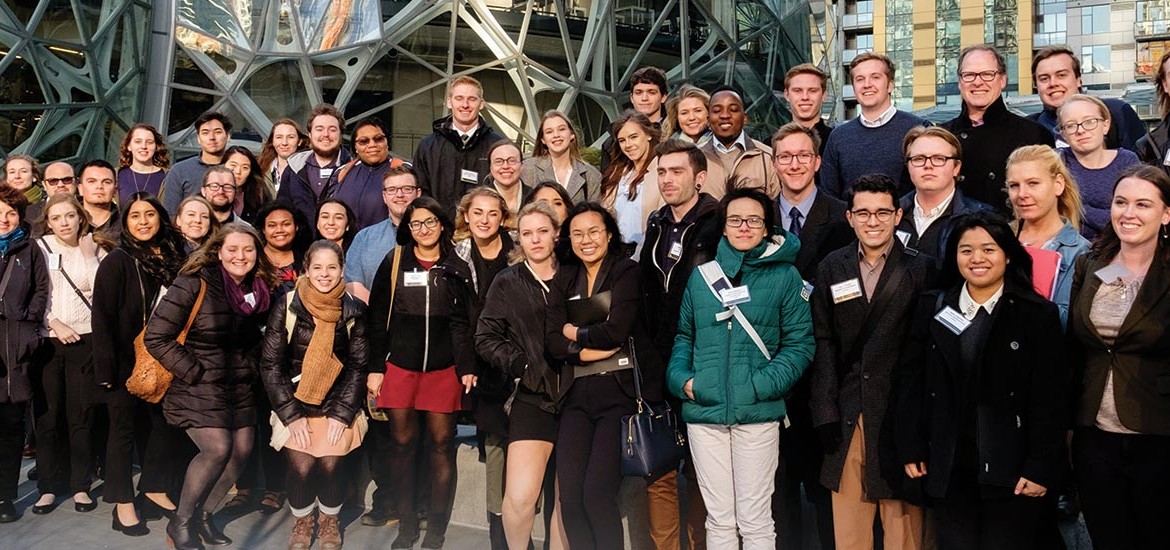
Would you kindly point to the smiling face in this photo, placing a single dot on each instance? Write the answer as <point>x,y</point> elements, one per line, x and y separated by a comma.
<point>873,233</point>
<point>1080,140</point>
<point>981,262</point>
<point>589,237</point>
<point>332,222</point>
<point>465,102</point>
<point>194,220</point>
<point>238,255</point>
<point>872,85</point>
<point>980,94</point>
<point>796,176</point>
<point>505,165</point>
<point>1138,212</point>
<point>676,179</point>
<point>212,137</point>
<point>18,174</point>
<point>483,218</point>
<point>285,140</point>
<point>97,186</point>
<point>693,117</point>
<point>1055,80</point>
<point>634,142</point>
<point>325,135</point>
<point>64,221</point>
<point>741,214</point>
<point>280,229</point>
<point>241,167</point>
<point>324,270</point>
<point>1033,190</point>
<point>220,190</point>
<point>553,199</point>
<point>537,237</point>
<point>647,99</point>
<point>727,117</point>
<point>371,145</point>
<point>142,146</point>
<point>397,192</point>
<point>805,94</point>
<point>557,135</point>
<point>142,221</point>
<point>425,237</point>
<point>9,218</point>
<point>930,178</point>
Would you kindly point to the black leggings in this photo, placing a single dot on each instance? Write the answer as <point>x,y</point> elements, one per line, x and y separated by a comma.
<point>440,428</point>
<point>311,478</point>
<point>212,472</point>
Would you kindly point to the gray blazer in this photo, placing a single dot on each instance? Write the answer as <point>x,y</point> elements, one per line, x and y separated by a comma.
<point>583,185</point>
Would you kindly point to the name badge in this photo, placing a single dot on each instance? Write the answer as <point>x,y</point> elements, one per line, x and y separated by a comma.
<point>1061,144</point>
<point>735,295</point>
<point>326,172</point>
<point>624,361</point>
<point>54,261</point>
<point>846,290</point>
<point>806,290</point>
<point>250,299</point>
<point>1112,272</point>
<point>903,236</point>
<point>470,176</point>
<point>1166,161</point>
<point>953,320</point>
<point>675,251</point>
<point>415,278</point>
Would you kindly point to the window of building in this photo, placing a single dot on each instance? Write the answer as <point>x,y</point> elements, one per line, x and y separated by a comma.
<point>1095,19</point>
<point>1095,59</point>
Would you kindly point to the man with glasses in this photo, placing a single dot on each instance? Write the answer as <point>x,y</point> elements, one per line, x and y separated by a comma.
<point>1056,71</point>
<point>359,182</point>
<point>219,188</point>
<point>862,305</point>
<point>987,130</point>
<point>213,130</point>
<point>312,175</point>
<point>399,187</point>
<point>98,186</point>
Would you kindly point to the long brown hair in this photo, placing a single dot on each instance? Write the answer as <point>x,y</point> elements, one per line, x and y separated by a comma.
<point>162,155</point>
<point>1107,245</point>
<point>619,163</point>
<point>208,254</point>
<point>268,151</point>
<point>1160,85</point>
<point>541,149</point>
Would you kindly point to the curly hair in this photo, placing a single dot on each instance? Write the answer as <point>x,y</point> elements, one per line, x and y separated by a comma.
<point>162,155</point>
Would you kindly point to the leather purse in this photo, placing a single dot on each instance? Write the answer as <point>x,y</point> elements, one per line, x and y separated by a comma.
<point>150,380</point>
<point>651,441</point>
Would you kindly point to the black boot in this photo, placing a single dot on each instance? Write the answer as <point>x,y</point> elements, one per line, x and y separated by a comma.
<point>436,531</point>
<point>496,532</point>
<point>181,534</point>
<point>208,531</point>
<point>407,533</point>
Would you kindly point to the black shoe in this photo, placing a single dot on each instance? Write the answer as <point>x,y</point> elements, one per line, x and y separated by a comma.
<point>85,506</point>
<point>8,512</point>
<point>42,510</point>
<point>208,531</point>
<point>433,541</point>
<point>181,534</point>
<point>436,531</point>
<point>378,517</point>
<point>407,535</point>
<point>137,530</point>
<point>32,474</point>
<point>151,510</point>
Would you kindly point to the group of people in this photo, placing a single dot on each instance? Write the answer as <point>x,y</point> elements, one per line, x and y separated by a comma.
<point>904,324</point>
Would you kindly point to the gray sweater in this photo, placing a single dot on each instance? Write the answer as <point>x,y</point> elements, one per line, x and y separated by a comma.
<point>184,180</point>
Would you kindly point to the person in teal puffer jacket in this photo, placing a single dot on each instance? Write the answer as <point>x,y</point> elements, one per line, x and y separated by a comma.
<point>734,358</point>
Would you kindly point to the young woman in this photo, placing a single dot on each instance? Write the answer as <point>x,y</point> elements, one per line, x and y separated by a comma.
<point>509,337</point>
<point>128,283</point>
<point>732,390</point>
<point>23,173</point>
<point>504,158</point>
<point>983,394</point>
<point>422,359</point>
<point>595,359</point>
<point>285,138</point>
<point>210,396</point>
<point>143,162</point>
<point>335,222</point>
<point>323,348</point>
<point>630,184</point>
<point>686,114</point>
<point>252,192</point>
<point>64,456</point>
<point>1119,318</point>
<point>1048,212</point>
<point>557,157</point>
<point>1083,121</point>
<point>552,194</point>
<point>286,237</point>
<point>195,222</point>
<point>22,313</point>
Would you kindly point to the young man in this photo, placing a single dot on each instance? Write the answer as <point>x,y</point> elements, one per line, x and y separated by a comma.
<point>733,157</point>
<point>370,245</point>
<point>804,89</point>
<point>311,175</point>
<point>454,158</point>
<point>213,130</point>
<point>648,94</point>
<point>98,187</point>
<point>985,127</point>
<point>1056,71</point>
<point>862,306</point>
<point>219,188</point>
<point>359,185</point>
<point>869,143</point>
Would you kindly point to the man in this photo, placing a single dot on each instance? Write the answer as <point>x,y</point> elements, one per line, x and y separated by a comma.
<point>213,130</point>
<point>734,158</point>
<point>680,236</point>
<point>648,94</point>
<point>862,306</point>
<point>1056,72</point>
<point>219,188</point>
<point>399,187</point>
<point>454,158</point>
<point>311,175</point>
<point>359,185</point>
<point>98,187</point>
<point>868,144</point>
<point>59,178</point>
<point>985,127</point>
<point>804,88</point>
<point>933,156</point>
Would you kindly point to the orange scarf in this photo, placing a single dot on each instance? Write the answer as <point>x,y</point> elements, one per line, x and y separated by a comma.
<point>319,367</point>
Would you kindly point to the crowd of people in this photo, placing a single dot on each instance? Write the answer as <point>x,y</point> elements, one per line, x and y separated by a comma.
<point>933,337</point>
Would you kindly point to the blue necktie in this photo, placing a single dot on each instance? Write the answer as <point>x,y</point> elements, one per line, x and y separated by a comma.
<point>795,226</point>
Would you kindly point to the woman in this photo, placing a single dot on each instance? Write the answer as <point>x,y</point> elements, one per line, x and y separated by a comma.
<point>630,184</point>
<point>65,456</point>
<point>196,222</point>
<point>557,157</point>
<point>509,337</point>
<point>252,192</point>
<point>1119,319</point>
<point>23,173</point>
<point>316,337</point>
<point>686,114</point>
<point>226,287</point>
<point>23,301</point>
<point>552,194</point>
<point>594,356</point>
<point>335,222</point>
<point>143,162</point>
<point>504,158</point>
<point>1048,211</point>
<point>128,283</point>
<point>285,138</point>
<point>286,237</point>
<point>1083,121</point>
<point>422,358</point>
<point>732,380</point>
<point>983,393</point>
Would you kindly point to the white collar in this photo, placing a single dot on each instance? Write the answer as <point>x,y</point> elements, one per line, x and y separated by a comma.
<point>470,132</point>
<point>969,308</point>
<point>920,212</point>
<point>881,120</point>
<point>741,141</point>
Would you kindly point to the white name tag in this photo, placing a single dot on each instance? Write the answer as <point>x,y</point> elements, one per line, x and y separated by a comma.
<point>1112,272</point>
<point>1061,144</point>
<point>735,295</point>
<point>903,236</point>
<point>326,172</point>
<point>675,251</point>
<point>470,176</point>
<point>54,261</point>
<point>845,291</point>
<point>623,361</point>
<point>953,320</point>
<point>250,299</point>
<point>415,278</point>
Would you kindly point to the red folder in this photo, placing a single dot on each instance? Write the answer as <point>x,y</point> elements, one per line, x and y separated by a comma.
<point>1045,268</point>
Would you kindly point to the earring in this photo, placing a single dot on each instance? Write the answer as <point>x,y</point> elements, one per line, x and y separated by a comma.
<point>1166,231</point>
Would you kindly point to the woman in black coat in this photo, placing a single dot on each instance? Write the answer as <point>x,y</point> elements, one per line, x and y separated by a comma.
<point>316,336</point>
<point>982,393</point>
<point>24,295</point>
<point>210,396</point>
<point>127,285</point>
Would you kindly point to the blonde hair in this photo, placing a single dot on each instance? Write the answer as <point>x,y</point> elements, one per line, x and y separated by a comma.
<point>1100,105</point>
<point>462,228</point>
<point>465,79</point>
<point>1068,203</point>
<point>533,208</point>
<point>686,91</point>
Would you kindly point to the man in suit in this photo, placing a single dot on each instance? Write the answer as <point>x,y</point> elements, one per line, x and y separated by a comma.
<point>862,304</point>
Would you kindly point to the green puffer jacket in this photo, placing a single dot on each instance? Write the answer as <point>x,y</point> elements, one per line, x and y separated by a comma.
<point>733,382</point>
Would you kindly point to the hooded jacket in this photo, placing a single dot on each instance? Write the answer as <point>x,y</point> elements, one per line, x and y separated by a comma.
<point>733,382</point>
<point>296,187</point>
<point>447,168</point>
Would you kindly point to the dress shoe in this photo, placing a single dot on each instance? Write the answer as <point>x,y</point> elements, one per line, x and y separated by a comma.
<point>8,512</point>
<point>85,506</point>
<point>181,534</point>
<point>152,510</point>
<point>272,502</point>
<point>33,474</point>
<point>211,534</point>
<point>137,530</point>
<point>42,509</point>
<point>407,535</point>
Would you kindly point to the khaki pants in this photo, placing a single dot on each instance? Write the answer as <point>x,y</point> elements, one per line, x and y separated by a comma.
<point>853,513</point>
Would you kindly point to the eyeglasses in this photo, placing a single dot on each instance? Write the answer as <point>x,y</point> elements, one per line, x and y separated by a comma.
<point>403,190</point>
<point>510,161</point>
<point>430,223</point>
<point>593,235</point>
<point>882,215</point>
<point>754,222</point>
<point>935,160</point>
<point>54,182</point>
<point>1074,127</point>
<point>803,158</point>
<point>364,141</point>
<point>986,76</point>
<point>221,186</point>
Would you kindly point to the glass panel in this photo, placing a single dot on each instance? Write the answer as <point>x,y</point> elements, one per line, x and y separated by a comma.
<point>186,106</point>
<point>22,9</point>
<point>279,90</point>
<point>188,73</point>
<point>330,79</point>
<point>19,84</point>
<point>217,20</point>
<point>17,126</point>
<point>58,23</point>
<point>328,24</point>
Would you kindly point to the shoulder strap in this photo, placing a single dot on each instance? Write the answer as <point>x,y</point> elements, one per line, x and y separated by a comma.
<point>876,307</point>
<point>394,265</point>
<point>717,281</point>
<point>344,170</point>
<point>7,275</point>
<point>194,311</point>
<point>68,279</point>
<point>290,318</point>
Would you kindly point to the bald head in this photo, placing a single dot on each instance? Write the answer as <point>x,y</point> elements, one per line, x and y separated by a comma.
<point>59,178</point>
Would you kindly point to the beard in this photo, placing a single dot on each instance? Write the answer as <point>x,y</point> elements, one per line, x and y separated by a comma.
<point>327,153</point>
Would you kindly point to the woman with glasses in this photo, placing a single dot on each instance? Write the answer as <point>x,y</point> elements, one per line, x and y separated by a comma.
<point>630,184</point>
<point>505,161</point>
<point>143,162</point>
<point>359,181</point>
<point>686,114</point>
<point>737,353</point>
<point>252,192</point>
<point>285,138</point>
<point>557,157</point>
<point>422,360</point>
<point>1082,122</point>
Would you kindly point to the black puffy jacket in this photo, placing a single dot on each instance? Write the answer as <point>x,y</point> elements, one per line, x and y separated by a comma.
<point>22,312</point>
<point>281,357</point>
<point>510,335</point>
<point>447,168</point>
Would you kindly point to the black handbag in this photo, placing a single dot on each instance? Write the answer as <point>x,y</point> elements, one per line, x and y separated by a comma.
<point>651,441</point>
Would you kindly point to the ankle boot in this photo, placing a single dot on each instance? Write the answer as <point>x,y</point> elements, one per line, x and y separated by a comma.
<point>329,532</point>
<point>436,531</point>
<point>181,534</point>
<point>302,533</point>
<point>211,534</point>
<point>407,532</point>
<point>496,532</point>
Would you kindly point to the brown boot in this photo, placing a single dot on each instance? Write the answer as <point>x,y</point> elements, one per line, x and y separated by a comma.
<point>329,532</point>
<point>302,533</point>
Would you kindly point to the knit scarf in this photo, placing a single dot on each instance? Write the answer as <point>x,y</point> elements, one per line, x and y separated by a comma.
<point>319,367</point>
<point>9,238</point>
<point>35,194</point>
<point>236,293</point>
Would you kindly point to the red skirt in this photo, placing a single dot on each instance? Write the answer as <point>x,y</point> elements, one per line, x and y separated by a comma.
<point>432,391</point>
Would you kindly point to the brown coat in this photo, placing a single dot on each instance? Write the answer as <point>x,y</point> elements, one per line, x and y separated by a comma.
<point>752,169</point>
